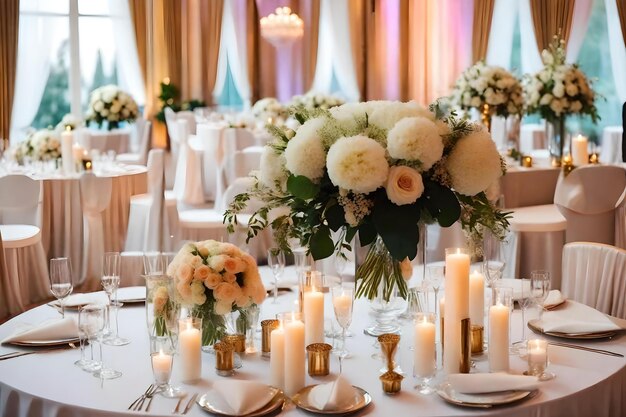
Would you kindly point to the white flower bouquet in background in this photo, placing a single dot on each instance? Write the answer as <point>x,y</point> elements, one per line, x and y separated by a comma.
<point>377,168</point>
<point>213,279</point>
<point>313,100</point>
<point>69,122</point>
<point>41,145</point>
<point>109,103</point>
<point>488,88</point>
<point>269,110</point>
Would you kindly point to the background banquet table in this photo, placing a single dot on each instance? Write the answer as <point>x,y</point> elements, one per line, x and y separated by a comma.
<point>117,140</point>
<point>50,385</point>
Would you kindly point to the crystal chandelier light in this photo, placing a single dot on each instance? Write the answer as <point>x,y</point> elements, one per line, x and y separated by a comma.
<point>282,28</point>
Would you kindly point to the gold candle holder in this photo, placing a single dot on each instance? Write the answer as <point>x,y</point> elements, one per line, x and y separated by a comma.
<point>594,158</point>
<point>224,358</point>
<point>392,382</point>
<point>478,333</point>
<point>466,334</point>
<point>526,161</point>
<point>87,165</point>
<point>485,116</point>
<point>389,346</point>
<point>319,359</point>
<point>567,164</point>
<point>266,329</point>
<point>238,341</point>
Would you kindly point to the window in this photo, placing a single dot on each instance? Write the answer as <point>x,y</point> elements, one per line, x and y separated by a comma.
<point>230,99</point>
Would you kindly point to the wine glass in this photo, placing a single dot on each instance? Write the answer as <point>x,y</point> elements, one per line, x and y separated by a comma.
<point>90,323</point>
<point>111,265</point>
<point>435,279</point>
<point>103,372</point>
<point>539,287</point>
<point>302,261</point>
<point>343,300</point>
<point>276,261</point>
<point>494,260</point>
<point>61,280</point>
<point>525,300</point>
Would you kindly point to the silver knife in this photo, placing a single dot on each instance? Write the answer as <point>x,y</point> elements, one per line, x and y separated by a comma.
<point>190,403</point>
<point>588,349</point>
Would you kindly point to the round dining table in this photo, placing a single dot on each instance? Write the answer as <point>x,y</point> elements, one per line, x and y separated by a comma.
<point>50,385</point>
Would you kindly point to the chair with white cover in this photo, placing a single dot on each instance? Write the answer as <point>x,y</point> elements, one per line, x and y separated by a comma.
<point>588,197</point>
<point>95,196</point>
<point>238,139</point>
<point>188,179</point>
<point>4,284</point>
<point>240,163</point>
<point>190,118</point>
<point>210,138</point>
<point>140,157</point>
<point>26,264</point>
<point>172,156</point>
<point>594,274</point>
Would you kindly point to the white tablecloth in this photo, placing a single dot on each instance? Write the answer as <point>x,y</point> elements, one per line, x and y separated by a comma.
<point>117,140</point>
<point>50,385</point>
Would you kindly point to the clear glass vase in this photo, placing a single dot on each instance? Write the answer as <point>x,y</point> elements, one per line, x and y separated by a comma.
<point>162,310</point>
<point>556,137</point>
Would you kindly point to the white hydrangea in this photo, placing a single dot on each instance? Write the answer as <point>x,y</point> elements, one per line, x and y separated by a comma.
<point>386,116</point>
<point>272,169</point>
<point>474,163</point>
<point>416,138</point>
<point>305,153</point>
<point>358,164</point>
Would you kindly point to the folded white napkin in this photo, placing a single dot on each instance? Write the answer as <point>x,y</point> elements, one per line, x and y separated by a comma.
<point>335,395</point>
<point>50,330</point>
<point>575,318</point>
<point>131,293</point>
<point>82,299</point>
<point>554,298</point>
<point>483,383</point>
<point>242,397</point>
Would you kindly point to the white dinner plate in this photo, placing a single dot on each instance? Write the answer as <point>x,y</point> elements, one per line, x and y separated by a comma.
<point>205,402</point>
<point>301,399</point>
<point>44,343</point>
<point>483,400</point>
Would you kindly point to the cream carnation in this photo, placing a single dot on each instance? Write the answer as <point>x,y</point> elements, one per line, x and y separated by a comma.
<point>357,163</point>
<point>474,163</point>
<point>404,185</point>
<point>416,138</point>
<point>388,115</point>
<point>305,153</point>
<point>273,172</point>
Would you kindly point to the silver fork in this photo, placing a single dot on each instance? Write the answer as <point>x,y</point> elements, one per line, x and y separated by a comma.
<point>134,403</point>
<point>150,394</point>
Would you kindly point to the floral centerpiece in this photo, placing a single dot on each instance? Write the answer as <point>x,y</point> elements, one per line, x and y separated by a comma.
<point>41,145</point>
<point>313,100</point>
<point>269,110</point>
<point>214,279</point>
<point>489,89</point>
<point>112,105</point>
<point>556,91</point>
<point>379,169</point>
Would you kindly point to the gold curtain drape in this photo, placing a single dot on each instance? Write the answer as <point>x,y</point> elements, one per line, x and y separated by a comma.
<point>483,13</point>
<point>551,17</point>
<point>621,10</point>
<point>210,31</point>
<point>359,17</point>
<point>172,11</point>
<point>139,19</point>
<point>9,30</point>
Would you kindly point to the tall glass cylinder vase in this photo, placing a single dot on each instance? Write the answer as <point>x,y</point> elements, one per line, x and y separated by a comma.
<point>162,310</point>
<point>556,137</point>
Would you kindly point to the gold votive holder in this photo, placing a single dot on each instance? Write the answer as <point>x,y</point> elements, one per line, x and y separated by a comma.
<point>466,335</point>
<point>594,158</point>
<point>526,161</point>
<point>319,359</point>
<point>266,329</point>
<point>224,358</point>
<point>389,346</point>
<point>238,341</point>
<point>478,334</point>
<point>87,164</point>
<point>392,382</point>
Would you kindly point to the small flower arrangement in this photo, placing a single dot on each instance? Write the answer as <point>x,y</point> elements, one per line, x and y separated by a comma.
<point>481,85</point>
<point>559,89</point>
<point>41,145</point>
<point>214,279</point>
<point>269,110</point>
<point>109,103</point>
<point>312,101</point>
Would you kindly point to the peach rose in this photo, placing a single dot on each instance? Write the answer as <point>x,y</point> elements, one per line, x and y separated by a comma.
<point>201,272</point>
<point>234,265</point>
<point>203,251</point>
<point>243,301</point>
<point>185,273</point>
<point>227,292</point>
<point>223,307</point>
<point>404,185</point>
<point>230,278</point>
<point>212,280</point>
<point>160,299</point>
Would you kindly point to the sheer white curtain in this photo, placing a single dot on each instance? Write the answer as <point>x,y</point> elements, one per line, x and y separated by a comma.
<point>500,45</point>
<point>617,48</point>
<point>128,69</point>
<point>233,52</point>
<point>334,51</point>
<point>35,46</point>
<point>580,21</point>
<point>531,58</point>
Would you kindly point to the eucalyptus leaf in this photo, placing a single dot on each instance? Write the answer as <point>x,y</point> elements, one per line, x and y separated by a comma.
<point>321,244</point>
<point>302,187</point>
<point>442,204</point>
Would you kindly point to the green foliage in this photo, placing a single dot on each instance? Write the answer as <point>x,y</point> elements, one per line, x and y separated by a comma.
<point>169,98</point>
<point>55,101</point>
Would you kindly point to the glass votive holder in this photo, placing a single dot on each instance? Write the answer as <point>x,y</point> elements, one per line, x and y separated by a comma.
<point>307,281</point>
<point>162,351</point>
<point>319,359</point>
<point>425,354</point>
<point>190,348</point>
<point>499,329</point>
<point>537,356</point>
<point>224,358</point>
<point>526,161</point>
<point>267,326</point>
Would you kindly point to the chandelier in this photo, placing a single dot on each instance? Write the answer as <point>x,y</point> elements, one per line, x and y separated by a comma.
<point>282,28</point>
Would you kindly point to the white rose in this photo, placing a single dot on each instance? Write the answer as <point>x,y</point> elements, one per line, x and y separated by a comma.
<point>98,106</point>
<point>475,102</point>
<point>546,99</point>
<point>547,57</point>
<point>404,185</point>
<point>558,90</point>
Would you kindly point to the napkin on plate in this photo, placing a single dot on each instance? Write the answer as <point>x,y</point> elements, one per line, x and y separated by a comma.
<point>335,395</point>
<point>243,397</point>
<point>553,299</point>
<point>49,330</point>
<point>576,318</point>
<point>131,293</point>
<point>82,299</point>
<point>484,383</point>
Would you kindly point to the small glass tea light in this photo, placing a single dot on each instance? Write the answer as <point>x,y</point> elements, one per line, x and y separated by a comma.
<point>267,326</point>
<point>526,161</point>
<point>224,358</point>
<point>392,382</point>
<point>319,359</point>
<point>425,356</point>
<point>537,355</point>
<point>87,164</point>
<point>162,357</point>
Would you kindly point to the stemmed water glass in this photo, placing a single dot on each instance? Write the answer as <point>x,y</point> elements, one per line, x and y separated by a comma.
<point>103,372</point>
<point>435,279</point>
<point>525,300</point>
<point>90,324</point>
<point>303,262</point>
<point>111,265</point>
<point>276,261</point>
<point>494,260</point>
<point>61,280</point>
<point>252,321</point>
<point>539,287</point>
<point>343,300</point>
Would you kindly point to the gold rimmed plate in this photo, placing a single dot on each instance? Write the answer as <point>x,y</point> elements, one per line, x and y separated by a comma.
<point>535,326</point>
<point>45,343</point>
<point>205,402</point>
<point>362,400</point>
<point>483,400</point>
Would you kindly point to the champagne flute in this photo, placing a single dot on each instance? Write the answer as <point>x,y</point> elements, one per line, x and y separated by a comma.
<point>539,287</point>
<point>494,261</point>
<point>276,261</point>
<point>343,300</point>
<point>524,301</point>
<point>302,261</point>
<point>252,320</point>
<point>435,279</point>
<point>90,324</point>
<point>111,265</point>
<point>61,280</point>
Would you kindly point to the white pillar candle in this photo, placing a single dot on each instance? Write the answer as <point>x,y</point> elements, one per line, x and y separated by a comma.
<point>457,299</point>
<point>424,348</point>
<point>78,152</point>
<point>277,358</point>
<point>477,298</point>
<point>499,338</point>
<point>190,344</point>
<point>580,152</point>
<point>67,152</point>
<point>294,355</point>
<point>313,316</point>
<point>161,367</point>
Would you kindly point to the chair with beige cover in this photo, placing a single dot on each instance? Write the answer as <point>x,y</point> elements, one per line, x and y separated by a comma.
<point>188,181</point>
<point>595,274</point>
<point>26,279</point>
<point>141,156</point>
<point>4,284</point>
<point>587,198</point>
